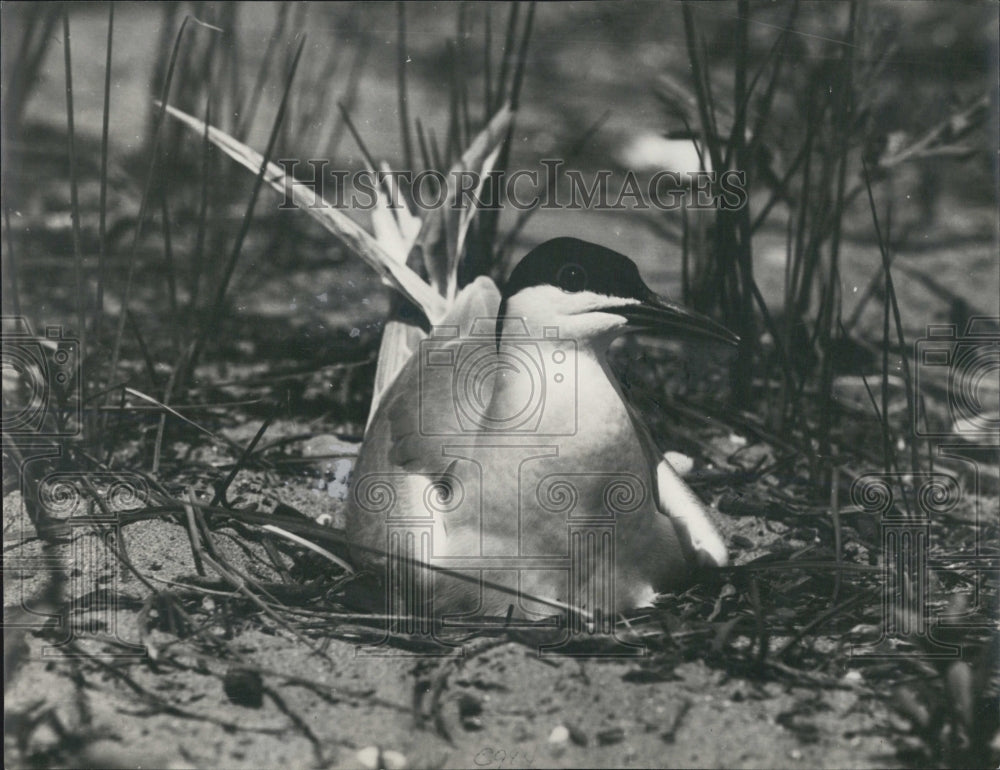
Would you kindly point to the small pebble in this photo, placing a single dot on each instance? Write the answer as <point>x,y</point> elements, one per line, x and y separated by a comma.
<point>559,734</point>
<point>611,736</point>
<point>342,470</point>
<point>368,757</point>
<point>578,736</point>
<point>244,687</point>
<point>469,710</point>
<point>337,490</point>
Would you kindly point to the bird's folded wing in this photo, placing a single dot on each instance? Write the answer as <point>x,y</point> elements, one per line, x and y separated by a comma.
<point>677,501</point>
<point>418,416</point>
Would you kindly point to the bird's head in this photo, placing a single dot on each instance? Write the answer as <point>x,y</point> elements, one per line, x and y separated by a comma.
<point>593,294</point>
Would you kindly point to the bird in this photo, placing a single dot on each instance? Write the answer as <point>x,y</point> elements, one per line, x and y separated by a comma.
<point>507,432</point>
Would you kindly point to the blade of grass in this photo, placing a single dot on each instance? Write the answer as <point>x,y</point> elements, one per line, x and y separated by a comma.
<point>231,13</point>
<point>425,154</point>
<point>102,247</point>
<point>442,266</point>
<point>373,167</point>
<point>29,60</point>
<point>249,112</point>
<point>15,83</point>
<point>276,561</point>
<point>508,55</point>
<point>161,428</point>
<point>168,19</point>
<point>197,254</point>
<point>147,359</point>
<point>775,59</point>
<point>401,91</point>
<point>168,257</point>
<point>175,413</point>
<point>487,61</point>
<point>685,253</point>
<point>890,291</point>
<point>838,534</point>
<point>81,310</point>
<point>311,546</point>
<point>763,635</point>
<point>522,61</point>
<point>220,491</point>
<point>828,319</point>
<point>463,95</point>
<point>205,533</point>
<point>315,117</point>
<point>453,138</point>
<point>435,150</point>
<point>353,237</point>
<point>491,218</point>
<point>193,537</point>
<point>349,99</point>
<point>10,262</point>
<point>709,133</point>
<point>871,289</point>
<point>741,94</point>
<point>780,191</point>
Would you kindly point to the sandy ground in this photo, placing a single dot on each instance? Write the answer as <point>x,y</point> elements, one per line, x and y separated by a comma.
<point>501,704</point>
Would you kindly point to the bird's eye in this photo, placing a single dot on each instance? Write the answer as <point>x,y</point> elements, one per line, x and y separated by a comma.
<point>571,278</point>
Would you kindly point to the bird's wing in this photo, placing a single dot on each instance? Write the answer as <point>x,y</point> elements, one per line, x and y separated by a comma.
<point>402,448</point>
<point>677,501</point>
<point>417,412</point>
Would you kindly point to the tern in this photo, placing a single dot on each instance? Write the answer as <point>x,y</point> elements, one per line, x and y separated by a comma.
<point>505,461</point>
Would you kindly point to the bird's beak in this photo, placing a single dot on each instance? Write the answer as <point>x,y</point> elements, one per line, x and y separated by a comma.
<point>656,314</point>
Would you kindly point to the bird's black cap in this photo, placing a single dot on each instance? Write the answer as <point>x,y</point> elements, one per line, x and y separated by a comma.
<point>575,265</point>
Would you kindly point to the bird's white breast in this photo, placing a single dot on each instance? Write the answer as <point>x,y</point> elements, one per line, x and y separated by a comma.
<point>522,493</point>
